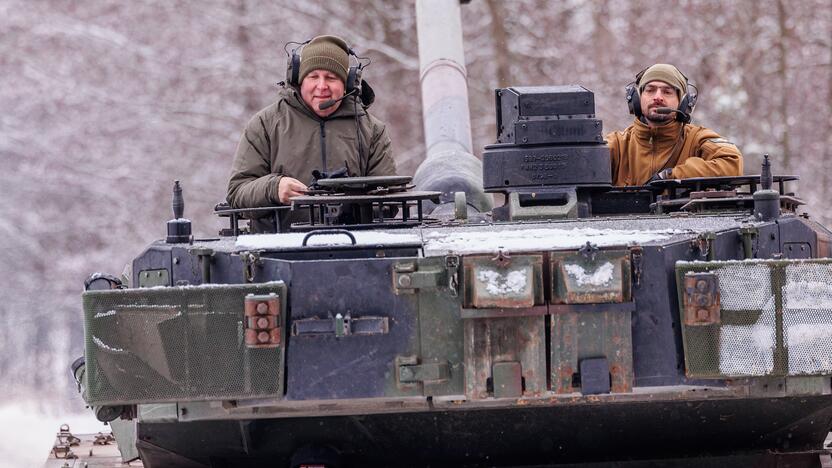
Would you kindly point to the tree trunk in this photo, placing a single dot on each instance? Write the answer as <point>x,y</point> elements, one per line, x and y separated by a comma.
<point>826,193</point>
<point>500,40</point>
<point>782,74</point>
<point>247,56</point>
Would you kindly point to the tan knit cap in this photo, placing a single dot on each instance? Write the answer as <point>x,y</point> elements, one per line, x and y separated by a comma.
<point>325,53</point>
<point>665,73</point>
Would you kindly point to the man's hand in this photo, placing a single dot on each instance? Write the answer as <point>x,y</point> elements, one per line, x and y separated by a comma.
<point>661,175</point>
<point>289,187</point>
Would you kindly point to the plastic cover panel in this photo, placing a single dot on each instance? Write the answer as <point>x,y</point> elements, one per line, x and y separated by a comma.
<point>776,319</point>
<point>181,343</point>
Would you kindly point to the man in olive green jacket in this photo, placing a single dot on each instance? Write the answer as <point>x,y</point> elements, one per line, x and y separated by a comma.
<point>283,143</point>
<point>660,144</point>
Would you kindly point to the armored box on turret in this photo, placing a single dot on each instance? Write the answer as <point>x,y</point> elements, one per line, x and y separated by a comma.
<point>550,153</point>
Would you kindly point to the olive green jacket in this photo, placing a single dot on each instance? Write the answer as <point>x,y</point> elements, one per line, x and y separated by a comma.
<point>640,151</point>
<point>288,139</point>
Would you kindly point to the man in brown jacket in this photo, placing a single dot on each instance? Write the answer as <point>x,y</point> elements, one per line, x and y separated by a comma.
<point>661,144</point>
<point>283,143</point>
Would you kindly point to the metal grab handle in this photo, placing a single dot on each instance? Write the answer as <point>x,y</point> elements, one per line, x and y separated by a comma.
<point>327,232</point>
<point>341,325</point>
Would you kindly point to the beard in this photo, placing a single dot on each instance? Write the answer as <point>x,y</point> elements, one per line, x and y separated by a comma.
<point>653,116</point>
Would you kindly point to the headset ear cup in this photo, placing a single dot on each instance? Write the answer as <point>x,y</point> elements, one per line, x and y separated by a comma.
<point>634,96</point>
<point>353,80</point>
<point>294,69</point>
<point>289,63</point>
<point>634,99</point>
<point>683,106</point>
<point>687,104</point>
<point>691,96</point>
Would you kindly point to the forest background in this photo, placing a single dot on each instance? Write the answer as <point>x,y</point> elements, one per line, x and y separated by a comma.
<point>105,102</point>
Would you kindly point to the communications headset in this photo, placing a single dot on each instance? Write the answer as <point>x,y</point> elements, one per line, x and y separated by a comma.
<point>353,86</point>
<point>686,104</point>
<point>683,112</point>
<point>353,83</point>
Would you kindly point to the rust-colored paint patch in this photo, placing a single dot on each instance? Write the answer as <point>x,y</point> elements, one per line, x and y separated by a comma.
<point>701,297</point>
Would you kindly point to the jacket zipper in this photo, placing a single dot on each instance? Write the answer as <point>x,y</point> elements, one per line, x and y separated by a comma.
<point>323,147</point>
<point>653,152</point>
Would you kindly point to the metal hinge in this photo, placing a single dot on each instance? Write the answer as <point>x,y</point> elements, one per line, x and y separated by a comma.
<point>637,258</point>
<point>407,279</point>
<point>748,233</point>
<point>452,268</point>
<point>410,277</point>
<point>704,243</point>
<point>250,262</point>
<point>408,371</point>
<point>204,255</point>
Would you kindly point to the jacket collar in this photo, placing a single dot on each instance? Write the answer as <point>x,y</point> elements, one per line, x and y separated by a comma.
<point>666,132</point>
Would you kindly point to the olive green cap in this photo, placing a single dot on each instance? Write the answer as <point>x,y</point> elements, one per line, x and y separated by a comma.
<point>325,53</point>
<point>665,73</point>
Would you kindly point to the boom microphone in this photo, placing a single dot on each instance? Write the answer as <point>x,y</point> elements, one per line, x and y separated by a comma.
<point>331,102</point>
<point>670,110</point>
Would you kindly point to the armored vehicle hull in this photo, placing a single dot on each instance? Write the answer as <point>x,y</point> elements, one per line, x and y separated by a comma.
<point>680,431</point>
<point>583,354</point>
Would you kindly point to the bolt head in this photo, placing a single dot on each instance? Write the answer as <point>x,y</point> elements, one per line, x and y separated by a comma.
<point>263,337</point>
<point>262,322</point>
<point>405,281</point>
<point>262,308</point>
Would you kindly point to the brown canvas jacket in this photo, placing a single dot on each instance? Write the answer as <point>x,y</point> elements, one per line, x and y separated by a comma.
<point>640,151</point>
<point>288,139</point>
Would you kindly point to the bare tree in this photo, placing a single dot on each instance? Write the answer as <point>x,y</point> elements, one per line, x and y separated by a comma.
<point>783,35</point>
<point>107,102</point>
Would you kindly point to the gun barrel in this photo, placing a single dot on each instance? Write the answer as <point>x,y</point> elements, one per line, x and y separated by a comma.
<point>450,165</point>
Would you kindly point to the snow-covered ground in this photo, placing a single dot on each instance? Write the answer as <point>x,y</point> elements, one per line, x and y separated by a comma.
<point>28,429</point>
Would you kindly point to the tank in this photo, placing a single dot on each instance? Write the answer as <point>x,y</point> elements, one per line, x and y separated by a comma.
<point>684,323</point>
